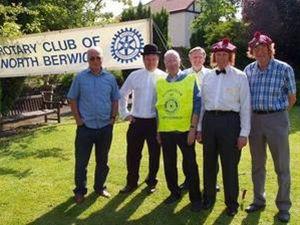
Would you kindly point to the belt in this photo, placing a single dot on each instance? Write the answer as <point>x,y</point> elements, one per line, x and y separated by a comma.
<point>267,111</point>
<point>220,112</point>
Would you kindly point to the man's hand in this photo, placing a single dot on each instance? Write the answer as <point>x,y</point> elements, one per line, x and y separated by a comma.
<point>112,120</point>
<point>199,137</point>
<point>79,122</point>
<point>191,136</point>
<point>241,142</point>
<point>130,118</point>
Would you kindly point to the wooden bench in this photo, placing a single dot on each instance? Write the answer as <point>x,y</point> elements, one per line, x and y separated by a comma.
<point>30,107</point>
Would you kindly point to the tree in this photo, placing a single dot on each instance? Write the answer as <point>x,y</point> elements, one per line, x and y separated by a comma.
<point>283,26</point>
<point>217,19</point>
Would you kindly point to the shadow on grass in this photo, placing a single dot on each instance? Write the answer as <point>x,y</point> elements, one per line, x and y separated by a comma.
<point>15,173</point>
<point>110,214</point>
<point>224,219</point>
<point>252,218</point>
<point>37,153</point>
<point>66,213</point>
<point>27,130</point>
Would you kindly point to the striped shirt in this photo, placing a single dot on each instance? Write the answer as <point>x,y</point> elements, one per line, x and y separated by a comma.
<point>270,88</point>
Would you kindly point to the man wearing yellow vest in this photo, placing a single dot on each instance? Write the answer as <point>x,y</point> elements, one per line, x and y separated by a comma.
<point>178,108</point>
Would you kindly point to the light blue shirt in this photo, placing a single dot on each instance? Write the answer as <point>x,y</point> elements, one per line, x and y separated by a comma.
<point>94,95</point>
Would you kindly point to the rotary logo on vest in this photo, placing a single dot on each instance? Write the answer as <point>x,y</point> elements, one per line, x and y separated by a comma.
<point>171,105</point>
<point>127,45</point>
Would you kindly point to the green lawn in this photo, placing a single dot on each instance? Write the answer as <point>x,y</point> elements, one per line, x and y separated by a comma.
<point>36,182</point>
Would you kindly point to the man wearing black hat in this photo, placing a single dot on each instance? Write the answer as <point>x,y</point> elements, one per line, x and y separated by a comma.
<point>142,119</point>
<point>273,93</point>
<point>224,124</point>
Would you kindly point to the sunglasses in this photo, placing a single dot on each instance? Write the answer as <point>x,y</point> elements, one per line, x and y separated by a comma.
<point>93,58</point>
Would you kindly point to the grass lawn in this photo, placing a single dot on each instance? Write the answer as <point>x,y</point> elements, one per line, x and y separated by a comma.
<point>36,182</point>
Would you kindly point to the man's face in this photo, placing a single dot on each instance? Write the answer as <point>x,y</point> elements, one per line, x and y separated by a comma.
<point>222,59</point>
<point>197,59</point>
<point>94,60</point>
<point>151,61</point>
<point>261,53</point>
<point>172,64</point>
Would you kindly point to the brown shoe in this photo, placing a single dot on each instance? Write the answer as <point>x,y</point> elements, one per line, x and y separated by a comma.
<point>79,198</point>
<point>104,193</point>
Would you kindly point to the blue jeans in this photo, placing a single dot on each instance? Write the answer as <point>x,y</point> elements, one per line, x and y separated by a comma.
<point>85,139</point>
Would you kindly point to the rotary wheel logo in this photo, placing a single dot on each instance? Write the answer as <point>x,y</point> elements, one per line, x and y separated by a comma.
<point>171,106</point>
<point>127,45</point>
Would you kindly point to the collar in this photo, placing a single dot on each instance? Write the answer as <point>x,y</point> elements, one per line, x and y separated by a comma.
<point>102,71</point>
<point>172,79</point>
<point>270,65</point>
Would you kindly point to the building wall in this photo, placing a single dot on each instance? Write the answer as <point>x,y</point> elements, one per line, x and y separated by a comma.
<point>179,28</point>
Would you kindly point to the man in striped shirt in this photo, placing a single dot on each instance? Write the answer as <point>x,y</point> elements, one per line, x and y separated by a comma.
<point>273,93</point>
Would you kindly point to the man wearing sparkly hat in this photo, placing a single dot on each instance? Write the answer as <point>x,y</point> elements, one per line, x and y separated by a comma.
<point>273,93</point>
<point>224,124</point>
<point>142,119</point>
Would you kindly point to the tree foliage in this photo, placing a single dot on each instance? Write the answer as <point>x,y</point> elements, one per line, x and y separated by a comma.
<point>281,20</point>
<point>217,19</point>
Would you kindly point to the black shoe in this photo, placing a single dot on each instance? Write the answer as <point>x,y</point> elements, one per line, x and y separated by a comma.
<point>196,206</point>
<point>128,189</point>
<point>217,188</point>
<point>151,189</point>
<point>184,186</point>
<point>283,216</point>
<point>231,211</point>
<point>253,208</point>
<point>207,204</point>
<point>171,199</point>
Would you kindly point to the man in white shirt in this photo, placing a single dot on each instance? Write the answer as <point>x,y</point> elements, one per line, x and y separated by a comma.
<point>142,118</point>
<point>197,56</point>
<point>224,124</point>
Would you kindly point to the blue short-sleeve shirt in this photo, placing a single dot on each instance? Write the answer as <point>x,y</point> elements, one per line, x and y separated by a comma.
<point>94,95</point>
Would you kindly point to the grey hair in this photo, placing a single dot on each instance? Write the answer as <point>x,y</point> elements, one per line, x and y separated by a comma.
<point>173,53</point>
<point>198,48</point>
<point>97,50</point>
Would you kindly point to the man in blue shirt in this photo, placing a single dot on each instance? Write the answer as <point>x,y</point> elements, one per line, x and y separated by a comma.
<point>93,100</point>
<point>178,108</point>
<point>273,93</point>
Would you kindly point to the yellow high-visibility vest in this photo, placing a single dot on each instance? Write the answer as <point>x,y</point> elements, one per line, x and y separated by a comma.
<point>175,104</point>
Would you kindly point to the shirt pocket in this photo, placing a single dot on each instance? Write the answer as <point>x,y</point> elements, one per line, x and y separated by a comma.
<point>231,94</point>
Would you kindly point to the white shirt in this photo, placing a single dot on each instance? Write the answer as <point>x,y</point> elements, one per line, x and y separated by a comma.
<point>227,92</point>
<point>200,74</point>
<point>141,83</point>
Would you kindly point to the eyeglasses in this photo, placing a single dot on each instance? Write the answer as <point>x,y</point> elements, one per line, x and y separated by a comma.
<point>93,58</point>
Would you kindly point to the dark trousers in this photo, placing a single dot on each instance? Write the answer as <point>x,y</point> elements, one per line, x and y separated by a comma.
<point>85,139</point>
<point>170,141</point>
<point>219,134</point>
<point>138,132</point>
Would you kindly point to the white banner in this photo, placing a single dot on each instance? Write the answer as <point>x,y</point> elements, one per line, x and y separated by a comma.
<point>65,51</point>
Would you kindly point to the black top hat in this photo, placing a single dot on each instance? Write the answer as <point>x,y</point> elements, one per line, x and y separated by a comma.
<point>150,49</point>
